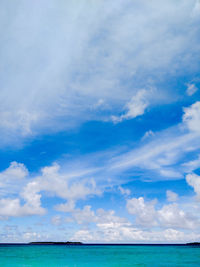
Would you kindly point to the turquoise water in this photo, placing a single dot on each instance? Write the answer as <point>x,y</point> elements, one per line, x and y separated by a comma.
<point>96,256</point>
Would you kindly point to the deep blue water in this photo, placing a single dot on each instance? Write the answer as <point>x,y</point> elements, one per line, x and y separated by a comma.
<point>96,256</point>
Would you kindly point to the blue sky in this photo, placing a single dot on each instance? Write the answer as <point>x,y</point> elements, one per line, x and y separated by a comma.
<point>100,121</point>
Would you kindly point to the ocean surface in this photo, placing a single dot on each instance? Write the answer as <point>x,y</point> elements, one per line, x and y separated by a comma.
<point>96,256</point>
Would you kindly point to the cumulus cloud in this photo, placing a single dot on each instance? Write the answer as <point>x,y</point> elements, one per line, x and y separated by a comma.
<point>194,181</point>
<point>84,216</point>
<point>127,232</point>
<point>164,223</point>
<point>12,178</point>
<point>13,207</point>
<point>109,226</point>
<point>100,217</point>
<point>50,180</point>
<point>66,207</point>
<point>173,217</point>
<point>168,216</point>
<point>191,117</point>
<point>145,212</point>
<point>14,171</point>
<point>59,185</point>
<point>12,181</point>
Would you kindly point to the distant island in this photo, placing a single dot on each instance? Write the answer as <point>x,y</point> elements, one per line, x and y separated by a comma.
<point>69,243</point>
<point>193,244</point>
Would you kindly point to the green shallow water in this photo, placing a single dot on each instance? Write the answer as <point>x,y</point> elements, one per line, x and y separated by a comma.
<point>96,256</point>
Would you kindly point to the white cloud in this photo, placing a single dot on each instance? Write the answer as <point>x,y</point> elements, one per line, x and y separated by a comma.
<point>66,207</point>
<point>60,185</point>
<point>119,231</point>
<point>123,232</point>
<point>84,216</point>
<point>158,156</point>
<point>191,89</point>
<point>21,121</point>
<point>148,134</point>
<point>162,155</point>
<point>101,217</point>
<point>14,171</point>
<point>167,223</point>
<point>12,181</point>
<point>145,212</point>
<point>191,117</point>
<point>171,196</point>
<point>89,50</point>
<point>84,235</point>
<point>12,207</point>
<point>173,217</point>
<point>109,227</point>
<point>107,217</point>
<point>135,107</point>
<point>73,184</point>
<point>168,216</point>
<point>29,191</point>
<point>194,181</point>
<point>16,234</point>
<point>126,233</point>
<point>124,191</point>
<point>12,178</point>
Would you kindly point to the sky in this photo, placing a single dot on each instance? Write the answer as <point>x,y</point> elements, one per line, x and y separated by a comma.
<point>100,121</point>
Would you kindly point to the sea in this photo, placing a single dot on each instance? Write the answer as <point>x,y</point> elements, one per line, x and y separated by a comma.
<point>99,255</point>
